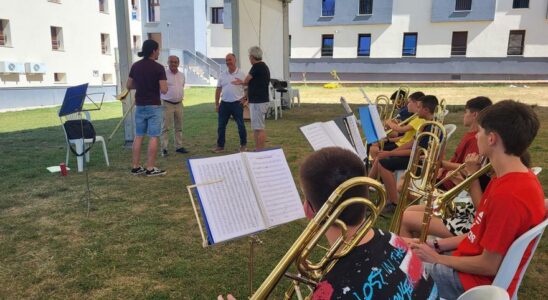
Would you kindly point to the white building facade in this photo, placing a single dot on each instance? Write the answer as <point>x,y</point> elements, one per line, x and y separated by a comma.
<point>401,40</point>
<point>48,45</point>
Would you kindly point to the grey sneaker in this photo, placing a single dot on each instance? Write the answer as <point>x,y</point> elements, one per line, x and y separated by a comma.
<point>388,209</point>
<point>164,152</point>
<point>155,172</point>
<point>138,171</point>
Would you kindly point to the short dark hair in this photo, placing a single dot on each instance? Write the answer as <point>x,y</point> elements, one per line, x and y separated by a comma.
<point>402,94</point>
<point>148,47</point>
<point>516,123</point>
<point>416,96</point>
<point>478,104</point>
<point>324,170</point>
<point>430,102</point>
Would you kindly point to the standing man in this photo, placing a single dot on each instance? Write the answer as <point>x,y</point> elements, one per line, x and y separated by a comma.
<point>232,99</point>
<point>257,81</point>
<point>172,102</point>
<point>149,79</point>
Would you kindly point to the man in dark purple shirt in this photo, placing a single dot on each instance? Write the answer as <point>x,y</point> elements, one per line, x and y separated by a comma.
<point>149,79</point>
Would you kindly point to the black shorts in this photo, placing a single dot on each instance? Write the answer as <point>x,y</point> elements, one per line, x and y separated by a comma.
<point>394,163</point>
<point>389,146</point>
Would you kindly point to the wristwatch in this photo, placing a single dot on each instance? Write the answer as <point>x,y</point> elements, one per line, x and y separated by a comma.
<point>436,245</point>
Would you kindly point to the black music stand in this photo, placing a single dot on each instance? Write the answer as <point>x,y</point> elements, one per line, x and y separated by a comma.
<point>73,102</point>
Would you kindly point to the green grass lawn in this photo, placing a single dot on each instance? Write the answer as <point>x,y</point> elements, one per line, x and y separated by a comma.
<point>140,239</point>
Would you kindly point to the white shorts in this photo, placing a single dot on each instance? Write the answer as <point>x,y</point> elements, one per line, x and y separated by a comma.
<point>257,113</point>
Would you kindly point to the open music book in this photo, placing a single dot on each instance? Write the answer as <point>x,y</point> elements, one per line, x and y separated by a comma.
<point>342,132</point>
<point>244,193</point>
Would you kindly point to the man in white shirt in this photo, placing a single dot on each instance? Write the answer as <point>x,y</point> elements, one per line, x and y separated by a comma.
<point>232,98</point>
<point>172,102</point>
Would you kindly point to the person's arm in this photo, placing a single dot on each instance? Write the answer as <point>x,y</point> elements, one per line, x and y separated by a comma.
<point>163,86</point>
<point>472,165</point>
<point>485,264</point>
<point>448,165</point>
<point>399,129</point>
<point>217,98</point>
<point>129,84</point>
<point>246,80</point>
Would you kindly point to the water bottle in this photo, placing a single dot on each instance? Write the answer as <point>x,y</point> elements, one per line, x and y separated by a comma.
<point>63,168</point>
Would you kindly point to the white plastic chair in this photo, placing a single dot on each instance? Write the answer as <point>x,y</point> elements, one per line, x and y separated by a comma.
<point>450,129</point>
<point>78,142</point>
<point>275,103</point>
<point>510,263</point>
<point>536,170</point>
<point>487,292</point>
<point>294,93</point>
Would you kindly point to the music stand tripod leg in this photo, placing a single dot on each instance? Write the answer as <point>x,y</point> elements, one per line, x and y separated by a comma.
<point>253,240</point>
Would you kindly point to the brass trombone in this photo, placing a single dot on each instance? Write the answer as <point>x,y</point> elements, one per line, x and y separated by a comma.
<point>310,273</point>
<point>420,176</point>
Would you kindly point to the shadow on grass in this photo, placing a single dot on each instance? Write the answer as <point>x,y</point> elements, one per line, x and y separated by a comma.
<point>141,238</point>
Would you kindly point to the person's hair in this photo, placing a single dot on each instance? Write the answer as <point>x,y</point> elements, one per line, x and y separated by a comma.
<point>516,124</point>
<point>324,170</point>
<point>525,158</point>
<point>478,104</point>
<point>402,94</point>
<point>256,52</point>
<point>148,47</point>
<point>231,54</point>
<point>430,102</point>
<point>416,96</point>
<point>175,56</point>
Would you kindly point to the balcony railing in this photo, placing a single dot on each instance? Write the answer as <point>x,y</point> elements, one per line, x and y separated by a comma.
<point>55,44</point>
<point>3,40</point>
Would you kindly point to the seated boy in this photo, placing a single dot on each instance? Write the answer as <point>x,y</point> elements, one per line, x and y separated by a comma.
<point>512,204</point>
<point>460,223</point>
<point>381,266</point>
<point>389,161</point>
<point>407,131</point>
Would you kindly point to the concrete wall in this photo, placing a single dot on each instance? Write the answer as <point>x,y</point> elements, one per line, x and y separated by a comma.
<point>444,11</point>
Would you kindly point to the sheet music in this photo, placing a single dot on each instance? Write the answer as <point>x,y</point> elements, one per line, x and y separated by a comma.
<point>316,136</point>
<point>276,190</point>
<point>337,136</point>
<point>377,123</point>
<point>230,206</point>
<point>356,136</point>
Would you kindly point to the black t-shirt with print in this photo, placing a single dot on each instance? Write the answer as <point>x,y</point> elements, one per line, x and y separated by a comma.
<point>383,268</point>
<point>257,90</point>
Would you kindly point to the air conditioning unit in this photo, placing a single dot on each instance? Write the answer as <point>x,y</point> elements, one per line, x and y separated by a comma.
<point>35,68</point>
<point>11,67</point>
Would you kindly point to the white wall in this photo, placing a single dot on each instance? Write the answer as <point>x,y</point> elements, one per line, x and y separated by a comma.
<point>82,25</point>
<point>219,39</point>
<point>266,33</point>
<point>485,38</point>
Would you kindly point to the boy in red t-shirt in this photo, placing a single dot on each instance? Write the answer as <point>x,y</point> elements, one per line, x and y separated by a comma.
<point>512,204</point>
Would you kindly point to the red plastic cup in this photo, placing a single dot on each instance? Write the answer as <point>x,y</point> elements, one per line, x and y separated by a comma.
<point>63,168</point>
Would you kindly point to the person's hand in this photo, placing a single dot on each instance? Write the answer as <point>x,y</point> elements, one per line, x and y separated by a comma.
<point>383,154</point>
<point>472,163</point>
<point>216,107</point>
<point>228,297</point>
<point>237,81</point>
<point>244,102</point>
<point>425,252</point>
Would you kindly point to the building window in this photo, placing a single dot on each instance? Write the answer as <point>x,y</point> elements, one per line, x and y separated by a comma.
<point>328,8</point>
<point>57,38</point>
<point>136,42</point>
<point>366,7</point>
<point>458,43</point>
<point>157,37</point>
<point>364,44</point>
<point>409,44</point>
<point>105,43</point>
<point>60,77</point>
<point>5,38</point>
<point>327,45</point>
<point>520,4</point>
<point>153,10</point>
<point>216,15</point>
<point>107,78</point>
<point>463,5</point>
<point>516,42</point>
<point>103,6</point>
<point>135,9</point>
